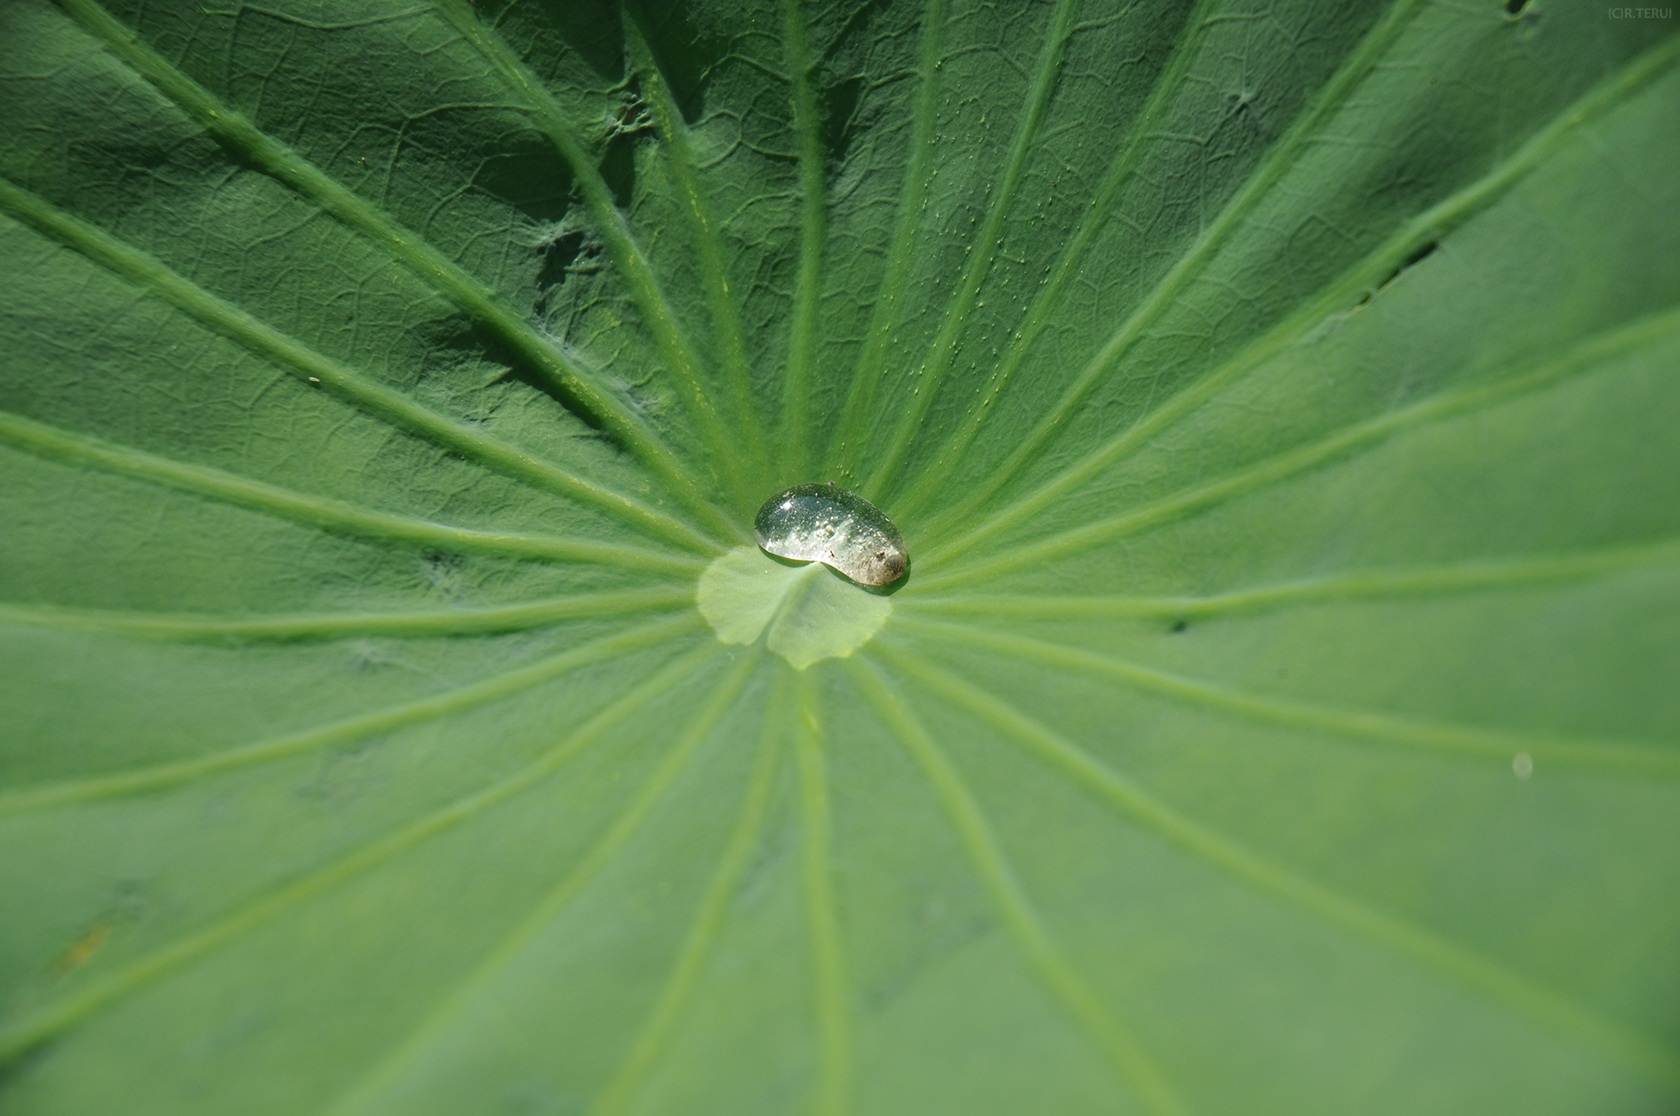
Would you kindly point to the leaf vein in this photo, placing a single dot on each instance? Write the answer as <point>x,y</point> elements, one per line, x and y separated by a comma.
<point>931,376</point>
<point>1336,297</point>
<point>32,1030</point>
<point>1280,159</point>
<point>1357,437</point>
<point>726,313</point>
<point>807,287</point>
<point>1534,1001</point>
<point>304,363</point>
<point>834,1016</point>
<point>625,826</point>
<point>1401,581</point>
<point>319,511</point>
<point>1095,218</point>
<point>284,627</point>
<point>1443,738</point>
<point>896,277</point>
<point>628,256</point>
<point>460,700</point>
<point>1023,923</point>
<point>703,932</point>
<point>578,386</point>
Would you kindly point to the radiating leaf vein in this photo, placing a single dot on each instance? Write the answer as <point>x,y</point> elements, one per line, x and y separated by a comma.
<point>1278,161</point>
<point>1610,756</point>
<point>627,1081</point>
<point>1588,356</point>
<point>206,628</point>
<point>844,449</point>
<point>697,208</point>
<point>1337,297</point>
<point>813,223</point>
<point>1136,1066</point>
<point>454,702</point>
<point>1535,1002</point>
<point>306,364</point>
<point>1050,298</point>
<point>34,1029</point>
<point>579,386</point>
<point>459,999</point>
<point>828,953</point>
<point>931,376</point>
<point>680,359</point>
<point>319,511</point>
<point>1413,581</point>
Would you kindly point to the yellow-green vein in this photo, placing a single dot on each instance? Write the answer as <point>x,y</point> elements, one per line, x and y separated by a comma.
<point>449,704</point>
<point>1618,757</point>
<point>578,386</point>
<point>319,511</point>
<point>843,451</point>
<point>287,627</point>
<point>807,284</point>
<point>1095,218</point>
<point>625,826</point>
<point>618,1094</point>
<point>1277,162</point>
<point>1404,581</point>
<point>1136,1066</point>
<point>931,376</point>
<point>708,241</point>
<point>657,315</point>
<point>1337,297</point>
<point>1585,357</point>
<point>31,1030</point>
<point>1536,1002</point>
<point>828,953</point>
<point>309,366</point>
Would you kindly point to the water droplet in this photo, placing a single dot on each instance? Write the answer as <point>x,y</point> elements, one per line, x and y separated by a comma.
<point>828,524</point>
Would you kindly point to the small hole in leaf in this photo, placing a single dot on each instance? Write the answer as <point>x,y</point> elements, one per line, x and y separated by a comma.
<point>1516,7</point>
<point>1180,625</point>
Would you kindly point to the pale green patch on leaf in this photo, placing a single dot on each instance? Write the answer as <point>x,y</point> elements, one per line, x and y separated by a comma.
<point>810,613</point>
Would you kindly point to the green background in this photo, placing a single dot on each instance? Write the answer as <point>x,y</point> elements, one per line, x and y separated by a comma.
<point>1279,400</point>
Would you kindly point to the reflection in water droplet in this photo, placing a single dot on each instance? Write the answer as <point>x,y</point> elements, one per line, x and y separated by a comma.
<point>826,523</point>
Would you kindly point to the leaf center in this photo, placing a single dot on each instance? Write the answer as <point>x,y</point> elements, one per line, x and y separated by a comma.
<point>809,613</point>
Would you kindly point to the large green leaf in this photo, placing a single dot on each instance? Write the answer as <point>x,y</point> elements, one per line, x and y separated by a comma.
<point>1279,400</point>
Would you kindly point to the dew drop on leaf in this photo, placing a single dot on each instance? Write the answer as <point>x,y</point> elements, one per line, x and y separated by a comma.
<point>829,524</point>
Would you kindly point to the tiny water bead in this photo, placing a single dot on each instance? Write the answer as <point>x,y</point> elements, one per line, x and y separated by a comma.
<point>828,524</point>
